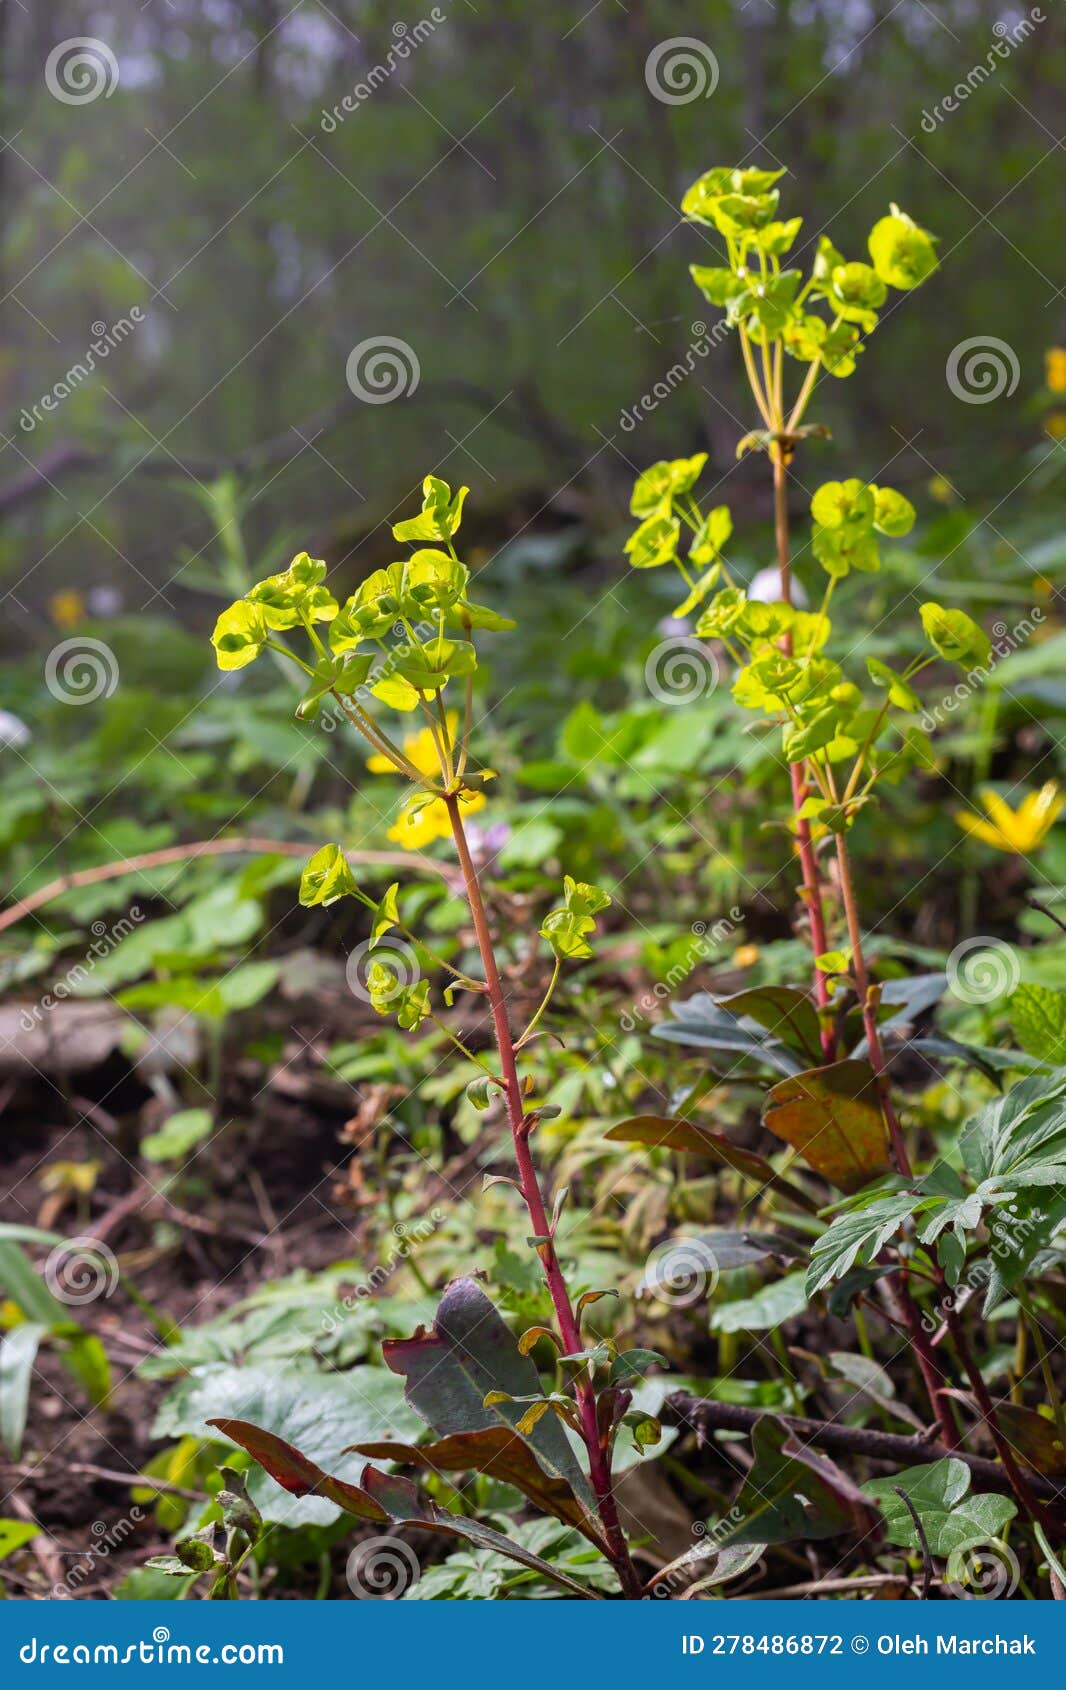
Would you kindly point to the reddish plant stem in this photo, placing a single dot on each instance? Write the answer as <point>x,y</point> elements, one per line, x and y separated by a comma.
<point>569,1330</point>
<point>808,860</point>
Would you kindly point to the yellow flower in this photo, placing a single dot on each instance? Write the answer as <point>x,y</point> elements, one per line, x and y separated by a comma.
<point>1055,425</point>
<point>416,827</point>
<point>419,748</point>
<point>940,488</point>
<point>1020,830</point>
<point>1055,365</point>
<point>746,956</point>
<point>68,609</point>
<point>422,820</point>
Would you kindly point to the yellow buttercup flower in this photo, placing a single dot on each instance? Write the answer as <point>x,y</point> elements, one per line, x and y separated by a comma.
<point>416,827</point>
<point>746,956</point>
<point>422,821</point>
<point>1020,830</point>
<point>1055,367</point>
<point>68,609</point>
<point>419,748</point>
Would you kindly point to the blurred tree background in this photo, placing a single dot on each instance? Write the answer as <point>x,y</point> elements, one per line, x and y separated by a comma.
<point>264,185</point>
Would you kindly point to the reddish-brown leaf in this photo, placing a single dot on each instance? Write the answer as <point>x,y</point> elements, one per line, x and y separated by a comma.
<point>832,1116</point>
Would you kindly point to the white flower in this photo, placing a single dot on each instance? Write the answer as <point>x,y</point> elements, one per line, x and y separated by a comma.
<point>12,730</point>
<point>766,588</point>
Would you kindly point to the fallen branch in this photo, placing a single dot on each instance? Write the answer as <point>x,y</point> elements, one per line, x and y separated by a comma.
<point>203,848</point>
<point>682,1409</point>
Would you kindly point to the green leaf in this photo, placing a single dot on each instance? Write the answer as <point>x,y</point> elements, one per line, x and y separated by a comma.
<point>470,1353</point>
<point>785,1011</point>
<point>904,255</point>
<point>321,1412</point>
<point>790,1493</point>
<point>654,542</point>
<point>386,915</point>
<point>900,692</point>
<point>952,1519</point>
<point>895,515</point>
<point>178,1135</point>
<point>18,1352</point>
<point>440,516</point>
<point>295,596</point>
<point>857,1238</point>
<point>955,636</point>
<point>566,928</point>
<point>239,636</point>
<point>326,878</point>
<point>1038,1018</point>
<point>767,1309</point>
<point>14,1534</point>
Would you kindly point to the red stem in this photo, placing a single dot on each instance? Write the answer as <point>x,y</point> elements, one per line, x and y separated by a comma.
<point>569,1330</point>
<point>808,861</point>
